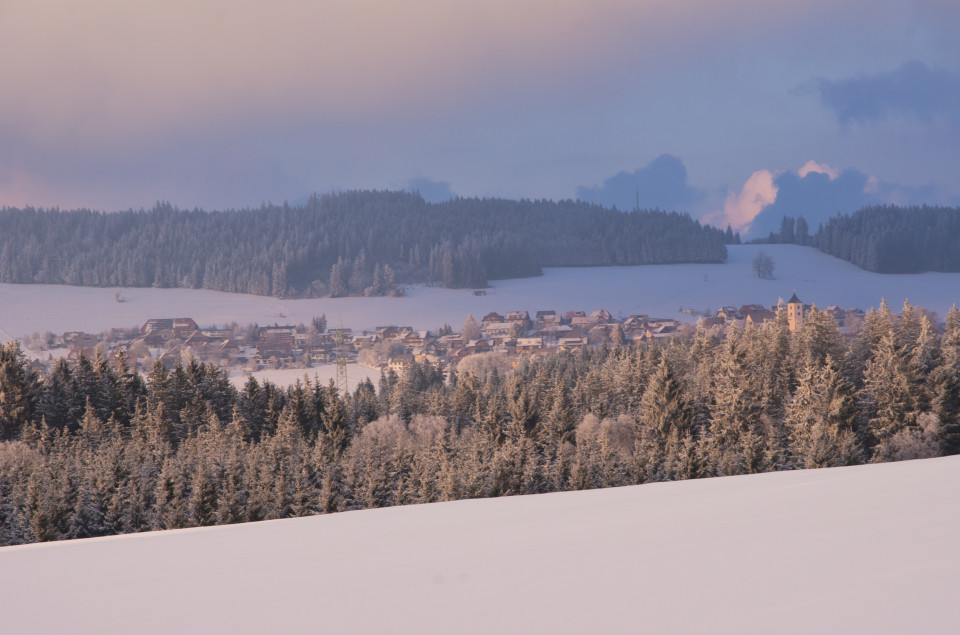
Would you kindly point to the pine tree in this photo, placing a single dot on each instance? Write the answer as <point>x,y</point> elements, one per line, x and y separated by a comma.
<point>945,382</point>
<point>663,426</point>
<point>887,400</point>
<point>819,338</point>
<point>19,389</point>
<point>821,419</point>
<point>734,413</point>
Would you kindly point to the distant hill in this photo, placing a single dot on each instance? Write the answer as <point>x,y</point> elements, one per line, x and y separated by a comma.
<point>353,243</point>
<point>884,239</point>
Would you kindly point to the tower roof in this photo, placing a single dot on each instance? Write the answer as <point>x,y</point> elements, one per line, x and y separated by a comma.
<point>794,299</point>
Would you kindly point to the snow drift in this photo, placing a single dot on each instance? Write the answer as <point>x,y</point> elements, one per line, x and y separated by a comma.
<point>858,549</point>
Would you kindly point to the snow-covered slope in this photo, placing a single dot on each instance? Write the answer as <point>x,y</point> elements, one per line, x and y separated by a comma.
<point>658,290</point>
<point>868,549</point>
<point>356,374</point>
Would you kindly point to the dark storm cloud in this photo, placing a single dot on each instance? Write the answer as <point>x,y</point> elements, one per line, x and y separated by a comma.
<point>662,184</point>
<point>913,90</point>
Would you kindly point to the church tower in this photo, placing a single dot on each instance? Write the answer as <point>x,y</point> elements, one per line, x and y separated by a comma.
<point>794,313</point>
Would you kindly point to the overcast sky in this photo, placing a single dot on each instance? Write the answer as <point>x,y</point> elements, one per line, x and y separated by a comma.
<point>720,109</point>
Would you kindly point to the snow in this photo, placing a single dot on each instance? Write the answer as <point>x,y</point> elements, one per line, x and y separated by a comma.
<point>657,290</point>
<point>861,549</point>
<point>325,372</point>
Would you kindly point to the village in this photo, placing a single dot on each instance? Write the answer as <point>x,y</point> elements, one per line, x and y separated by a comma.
<point>512,336</point>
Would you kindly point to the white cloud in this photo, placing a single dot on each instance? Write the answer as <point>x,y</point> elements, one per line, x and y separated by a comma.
<point>818,168</point>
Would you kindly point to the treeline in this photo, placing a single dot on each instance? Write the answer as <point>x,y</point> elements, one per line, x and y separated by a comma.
<point>891,239</point>
<point>364,242</point>
<point>95,450</point>
<point>884,239</point>
<point>793,231</point>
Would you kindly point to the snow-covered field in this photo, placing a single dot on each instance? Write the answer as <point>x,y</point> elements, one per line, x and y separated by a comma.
<point>869,549</point>
<point>324,373</point>
<point>658,290</point>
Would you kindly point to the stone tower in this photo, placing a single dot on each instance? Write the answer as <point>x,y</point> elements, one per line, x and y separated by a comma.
<point>794,313</point>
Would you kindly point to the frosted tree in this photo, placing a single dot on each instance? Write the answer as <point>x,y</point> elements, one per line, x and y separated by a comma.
<point>886,399</point>
<point>819,338</point>
<point>664,425</point>
<point>732,444</point>
<point>821,419</point>
<point>470,330</point>
<point>945,382</point>
<point>763,265</point>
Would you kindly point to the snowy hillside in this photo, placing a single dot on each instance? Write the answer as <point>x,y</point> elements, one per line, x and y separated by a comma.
<point>323,373</point>
<point>861,549</point>
<point>658,290</point>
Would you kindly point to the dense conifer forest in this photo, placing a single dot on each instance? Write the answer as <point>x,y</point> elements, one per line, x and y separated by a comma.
<point>895,239</point>
<point>884,239</point>
<point>94,449</point>
<point>340,244</point>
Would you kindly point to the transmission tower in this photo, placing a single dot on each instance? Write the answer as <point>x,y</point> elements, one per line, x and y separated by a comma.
<point>340,359</point>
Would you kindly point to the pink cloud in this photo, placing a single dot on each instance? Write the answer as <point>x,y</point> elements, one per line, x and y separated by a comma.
<point>812,166</point>
<point>739,210</point>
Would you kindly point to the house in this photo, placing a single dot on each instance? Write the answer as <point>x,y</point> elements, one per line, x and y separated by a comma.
<point>454,340</point>
<point>634,323</point>
<point>183,327</point>
<point>400,363</point>
<point>657,324</point>
<point>585,322</point>
<point>197,339</point>
<point>277,336</point>
<point>660,331</point>
<point>522,318</point>
<point>81,343</point>
<point>529,344</point>
<point>572,344</point>
<point>494,329</point>
<point>599,334</point>
<point>491,318</point>
<point>460,354</point>
<point>364,341</point>
<point>728,314</point>
<point>756,317</point>
<point>634,338</point>
<point>275,353</point>
<point>415,338</point>
<point>156,325</point>
<point>385,333</point>
<point>169,328</point>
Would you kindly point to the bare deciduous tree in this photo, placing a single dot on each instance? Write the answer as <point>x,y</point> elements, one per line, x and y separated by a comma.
<point>763,266</point>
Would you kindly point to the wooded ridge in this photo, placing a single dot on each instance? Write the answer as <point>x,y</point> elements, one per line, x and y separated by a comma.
<point>352,243</point>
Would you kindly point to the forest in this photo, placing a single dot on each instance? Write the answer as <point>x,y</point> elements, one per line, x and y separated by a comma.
<point>884,239</point>
<point>351,243</point>
<point>93,449</point>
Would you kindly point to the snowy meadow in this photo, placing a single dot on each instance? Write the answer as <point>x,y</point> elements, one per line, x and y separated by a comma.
<point>657,290</point>
<point>856,549</point>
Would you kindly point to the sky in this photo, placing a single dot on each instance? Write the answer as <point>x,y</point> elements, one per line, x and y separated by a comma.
<point>735,112</point>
